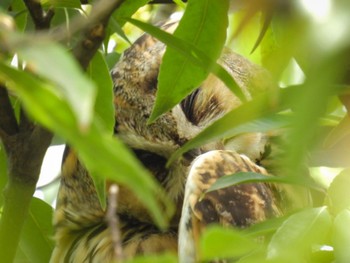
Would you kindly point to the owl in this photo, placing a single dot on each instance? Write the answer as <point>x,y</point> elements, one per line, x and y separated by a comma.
<point>82,234</point>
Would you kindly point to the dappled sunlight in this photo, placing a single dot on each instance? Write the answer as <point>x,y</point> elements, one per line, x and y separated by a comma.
<point>318,9</point>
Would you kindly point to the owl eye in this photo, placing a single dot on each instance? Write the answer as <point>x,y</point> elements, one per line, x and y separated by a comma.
<point>188,107</point>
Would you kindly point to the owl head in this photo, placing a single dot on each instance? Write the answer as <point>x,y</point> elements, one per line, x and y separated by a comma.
<point>135,89</point>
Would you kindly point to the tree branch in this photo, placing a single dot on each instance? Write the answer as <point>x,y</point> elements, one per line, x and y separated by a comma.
<point>8,122</point>
<point>41,19</point>
<point>95,33</point>
<point>25,146</point>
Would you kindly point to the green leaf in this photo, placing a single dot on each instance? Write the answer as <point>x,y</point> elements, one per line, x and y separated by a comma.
<point>265,227</point>
<point>218,242</point>
<point>338,197</point>
<point>3,171</point>
<point>318,88</point>
<point>93,142</point>
<point>295,238</point>
<point>64,17</point>
<point>114,156</point>
<point>21,17</point>
<point>112,59</point>
<point>64,3</point>
<point>53,62</point>
<point>338,133</point>
<point>36,238</point>
<point>263,124</point>
<point>180,3</point>
<point>31,91</point>
<point>5,4</point>
<point>116,28</point>
<point>191,52</point>
<point>251,177</point>
<point>202,20</point>
<point>127,9</point>
<point>341,236</point>
<point>99,73</point>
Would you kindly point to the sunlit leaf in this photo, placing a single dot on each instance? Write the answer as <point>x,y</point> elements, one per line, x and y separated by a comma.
<point>264,28</point>
<point>51,61</point>
<point>180,3</point>
<point>201,21</point>
<point>244,41</point>
<point>114,160</point>
<point>338,197</point>
<point>127,9</point>
<point>288,32</point>
<point>116,28</point>
<point>306,123</point>
<point>341,236</point>
<point>217,242</point>
<point>36,241</point>
<point>338,133</point>
<point>300,231</point>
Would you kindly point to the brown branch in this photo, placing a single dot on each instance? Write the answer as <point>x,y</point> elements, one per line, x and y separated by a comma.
<point>8,123</point>
<point>24,122</point>
<point>94,34</point>
<point>25,152</point>
<point>41,19</point>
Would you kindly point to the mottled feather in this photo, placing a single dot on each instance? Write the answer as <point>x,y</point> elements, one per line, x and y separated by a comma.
<point>81,231</point>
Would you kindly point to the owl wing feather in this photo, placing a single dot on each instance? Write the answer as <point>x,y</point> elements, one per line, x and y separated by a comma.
<point>239,205</point>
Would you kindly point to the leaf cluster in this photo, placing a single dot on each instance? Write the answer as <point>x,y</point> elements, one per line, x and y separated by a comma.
<point>44,77</point>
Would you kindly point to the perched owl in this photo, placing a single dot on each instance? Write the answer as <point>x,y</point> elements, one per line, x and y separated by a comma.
<point>82,234</point>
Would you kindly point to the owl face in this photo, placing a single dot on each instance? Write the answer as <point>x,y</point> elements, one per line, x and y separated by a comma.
<point>135,87</point>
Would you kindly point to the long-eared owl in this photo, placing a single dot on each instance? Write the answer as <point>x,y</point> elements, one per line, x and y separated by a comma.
<point>82,234</point>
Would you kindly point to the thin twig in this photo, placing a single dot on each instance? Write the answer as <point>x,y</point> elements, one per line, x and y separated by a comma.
<point>113,222</point>
<point>92,27</point>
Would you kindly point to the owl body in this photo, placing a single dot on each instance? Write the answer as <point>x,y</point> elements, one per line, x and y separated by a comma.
<point>82,234</point>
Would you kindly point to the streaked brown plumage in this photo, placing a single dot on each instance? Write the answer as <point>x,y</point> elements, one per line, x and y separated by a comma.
<point>82,234</point>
